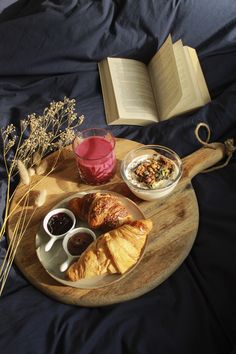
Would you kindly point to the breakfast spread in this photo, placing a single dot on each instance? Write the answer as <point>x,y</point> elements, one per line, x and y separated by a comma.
<point>110,236</point>
<point>100,210</point>
<point>116,247</point>
<point>113,252</point>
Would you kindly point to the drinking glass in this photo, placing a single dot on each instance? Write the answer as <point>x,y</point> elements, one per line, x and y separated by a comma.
<point>94,150</point>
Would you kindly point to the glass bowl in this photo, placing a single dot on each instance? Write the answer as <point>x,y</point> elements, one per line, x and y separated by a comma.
<point>151,171</point>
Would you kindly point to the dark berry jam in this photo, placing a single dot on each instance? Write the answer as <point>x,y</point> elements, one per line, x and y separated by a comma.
<point>59,224</point>
<point>78,243</point>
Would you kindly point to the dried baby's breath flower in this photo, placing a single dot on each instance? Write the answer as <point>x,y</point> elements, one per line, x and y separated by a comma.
<point>10,129</point>
<point>10,143</point>
<point>24,148</point>
<point>23,172</point>
<point>24,123</point>
<point>66,138</point>
<point>41,198</point>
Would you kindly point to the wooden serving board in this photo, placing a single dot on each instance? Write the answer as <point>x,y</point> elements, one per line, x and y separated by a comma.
<point>175,224</point>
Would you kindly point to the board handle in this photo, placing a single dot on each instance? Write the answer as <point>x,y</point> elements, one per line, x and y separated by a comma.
<point>203,159</point>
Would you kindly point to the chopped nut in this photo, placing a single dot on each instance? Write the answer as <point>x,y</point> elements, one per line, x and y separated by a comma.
<point>153,170</point>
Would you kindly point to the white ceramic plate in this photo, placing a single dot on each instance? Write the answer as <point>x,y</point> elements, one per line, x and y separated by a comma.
<point>52,260</point>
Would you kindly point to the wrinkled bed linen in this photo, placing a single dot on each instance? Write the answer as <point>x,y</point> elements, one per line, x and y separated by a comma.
<point>50,49</point>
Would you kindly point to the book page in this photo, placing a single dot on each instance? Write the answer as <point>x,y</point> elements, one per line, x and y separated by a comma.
<point>164,79</point>
<point>195,68</point>
<point>191,97</point>
<point>132,89</point>
<point>109,100</point>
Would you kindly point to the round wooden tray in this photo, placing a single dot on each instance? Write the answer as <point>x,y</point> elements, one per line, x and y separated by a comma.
<point>175,223</point>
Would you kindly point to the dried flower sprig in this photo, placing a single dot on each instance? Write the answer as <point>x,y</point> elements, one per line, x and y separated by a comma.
<point>23,155</point>
<point>41,198</point>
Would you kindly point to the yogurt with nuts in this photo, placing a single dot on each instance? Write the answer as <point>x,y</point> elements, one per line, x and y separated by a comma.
<point>152,176</point>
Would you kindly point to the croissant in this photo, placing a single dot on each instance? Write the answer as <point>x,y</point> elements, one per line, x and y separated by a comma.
<point>115,251</point>
<point>100,210</point>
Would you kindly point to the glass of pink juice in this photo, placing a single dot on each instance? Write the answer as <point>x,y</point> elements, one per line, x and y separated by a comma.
<point>95,155</point>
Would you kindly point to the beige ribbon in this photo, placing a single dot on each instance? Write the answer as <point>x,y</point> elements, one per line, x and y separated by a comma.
<point>229,146</point>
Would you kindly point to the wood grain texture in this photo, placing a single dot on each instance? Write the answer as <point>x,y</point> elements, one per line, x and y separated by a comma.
<point>175,219</point>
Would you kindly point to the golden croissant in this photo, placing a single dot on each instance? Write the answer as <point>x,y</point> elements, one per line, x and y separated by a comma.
<point>100,210</point>
<point>115,251</point>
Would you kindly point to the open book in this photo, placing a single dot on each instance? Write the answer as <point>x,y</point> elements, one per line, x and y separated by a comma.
<point>138,94</point>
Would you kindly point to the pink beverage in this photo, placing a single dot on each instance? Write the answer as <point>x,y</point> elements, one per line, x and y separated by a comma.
<point>95,157</point>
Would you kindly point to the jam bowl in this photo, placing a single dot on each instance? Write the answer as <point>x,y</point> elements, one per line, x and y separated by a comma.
<point>75,243</point>
<point>151,171</point>
<point>57,223</point>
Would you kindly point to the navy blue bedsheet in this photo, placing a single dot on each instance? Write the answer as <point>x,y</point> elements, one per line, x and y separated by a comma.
<point>49,49</point>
